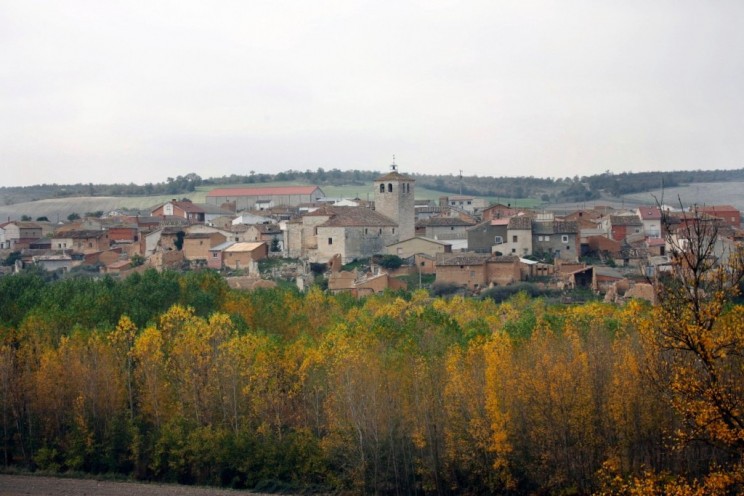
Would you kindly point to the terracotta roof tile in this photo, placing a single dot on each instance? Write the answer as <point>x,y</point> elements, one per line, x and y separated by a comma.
<point>521,222</point>
<point>649,213</point>
<point>625,220</point>
<point>356,217</point>
<point>463,259</point>
<point>507,259</point>
<point>394,176</point>
<point>82,234</point>
<point>444,222</point>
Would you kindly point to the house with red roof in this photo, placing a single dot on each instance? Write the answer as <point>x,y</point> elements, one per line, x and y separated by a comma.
<point>651,220</point>
<point>620,227</point>
<point>184,209</point>
<point>194,213</point>
<point>729,215</point>
<point>499,211</point>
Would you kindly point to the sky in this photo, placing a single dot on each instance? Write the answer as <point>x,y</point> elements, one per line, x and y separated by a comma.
<point>138,91</point>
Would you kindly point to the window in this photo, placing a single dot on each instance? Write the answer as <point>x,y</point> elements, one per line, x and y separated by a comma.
<point>390,187</point>
<point>547,238</point>
<point>514,250</point>
<point>539,238</point>
<point>330,241</point>
<point>382,188</point>
<point>498,240</point>
<point>514,239</point>
<point>564,238</point>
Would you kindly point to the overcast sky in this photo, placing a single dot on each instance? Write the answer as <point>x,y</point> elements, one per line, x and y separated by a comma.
<point>129,91</point>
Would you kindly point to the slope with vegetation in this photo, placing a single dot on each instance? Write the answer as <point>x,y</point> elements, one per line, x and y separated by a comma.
<point>174,377</point>
<point>576,189</point>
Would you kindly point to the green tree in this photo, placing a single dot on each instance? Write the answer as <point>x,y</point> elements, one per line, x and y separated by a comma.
<point>389,261</point>
<point>275,245</point>
<point>12,258</point>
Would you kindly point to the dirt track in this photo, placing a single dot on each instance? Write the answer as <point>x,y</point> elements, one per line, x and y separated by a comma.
<point>28,485</point>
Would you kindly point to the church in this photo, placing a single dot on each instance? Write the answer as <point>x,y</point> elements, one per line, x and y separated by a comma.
<point>357,232</point>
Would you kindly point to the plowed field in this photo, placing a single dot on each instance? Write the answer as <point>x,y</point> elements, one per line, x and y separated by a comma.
<point>26,485</point>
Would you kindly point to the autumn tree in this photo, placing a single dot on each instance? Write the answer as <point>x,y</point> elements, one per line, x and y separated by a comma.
<point>695,340</point>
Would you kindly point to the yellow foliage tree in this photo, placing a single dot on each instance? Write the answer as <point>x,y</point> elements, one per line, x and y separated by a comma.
<point>695,338</point>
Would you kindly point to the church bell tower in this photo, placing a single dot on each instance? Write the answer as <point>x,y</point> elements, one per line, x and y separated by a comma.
<point>394,198</point>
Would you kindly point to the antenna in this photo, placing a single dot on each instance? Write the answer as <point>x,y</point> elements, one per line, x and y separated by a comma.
<point>460,182</point>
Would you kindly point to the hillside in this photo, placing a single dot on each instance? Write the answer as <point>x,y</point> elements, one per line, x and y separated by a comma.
<point>59,208</point>
<point>723,187</point>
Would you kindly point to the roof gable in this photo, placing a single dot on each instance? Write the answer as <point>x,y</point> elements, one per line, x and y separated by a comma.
<point>420,239</point>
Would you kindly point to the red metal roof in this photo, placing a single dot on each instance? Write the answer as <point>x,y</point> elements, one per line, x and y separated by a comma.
<point>266,191</point>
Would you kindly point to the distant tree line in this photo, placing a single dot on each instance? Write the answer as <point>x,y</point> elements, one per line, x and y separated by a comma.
<point>566,189</point>
<point>638,182</point>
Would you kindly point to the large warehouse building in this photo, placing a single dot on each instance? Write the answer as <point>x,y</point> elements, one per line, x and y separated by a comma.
<point>263,198</point>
